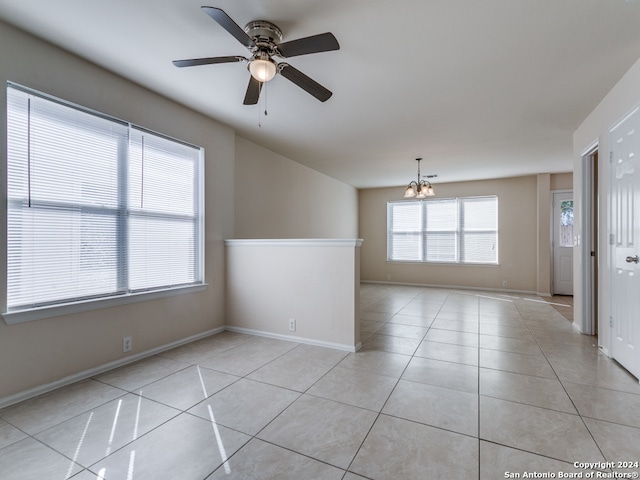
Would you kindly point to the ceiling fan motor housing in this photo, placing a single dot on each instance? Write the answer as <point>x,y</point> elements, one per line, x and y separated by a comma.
<point>265,34</point>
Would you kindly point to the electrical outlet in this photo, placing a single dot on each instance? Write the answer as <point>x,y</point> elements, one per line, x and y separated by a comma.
<point>292,324</point>
<point>126,344</point>
<point>505,283</point>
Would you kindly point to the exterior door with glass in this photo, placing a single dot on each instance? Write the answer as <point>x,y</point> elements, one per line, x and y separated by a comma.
<point>563,243</point>
<point>625,242</point>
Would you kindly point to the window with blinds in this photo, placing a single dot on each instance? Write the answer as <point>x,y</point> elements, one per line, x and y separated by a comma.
<point>96,207</point>
<point>453,230</point>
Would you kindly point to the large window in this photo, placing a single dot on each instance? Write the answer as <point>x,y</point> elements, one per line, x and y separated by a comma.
<point>452,230</point>
<point>96,207</point>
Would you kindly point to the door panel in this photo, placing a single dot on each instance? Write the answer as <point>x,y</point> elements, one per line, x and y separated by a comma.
<point>563,243</point>
<point>625,209</point>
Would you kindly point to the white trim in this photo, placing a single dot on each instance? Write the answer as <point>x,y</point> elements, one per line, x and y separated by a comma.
<point>92,372</point>
<point>291,338</point>
<point>295,242</point>
<point>623,119</point>
<point>591,149</point>
<point>12,318</point>
<point>585,239</point>
<point>458,287</point>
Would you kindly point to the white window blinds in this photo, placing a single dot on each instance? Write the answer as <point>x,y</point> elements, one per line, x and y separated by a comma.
<point>479,229</point>
<point>164,212</point>
<point>405,226</point>
<point>96,207</point>
<point>457,230</point>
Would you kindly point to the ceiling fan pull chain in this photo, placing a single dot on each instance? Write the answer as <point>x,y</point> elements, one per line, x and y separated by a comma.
<point>262,99</point>
<point>266,97</point>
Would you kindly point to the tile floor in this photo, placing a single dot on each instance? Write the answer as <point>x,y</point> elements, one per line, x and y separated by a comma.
<point>448,385</point>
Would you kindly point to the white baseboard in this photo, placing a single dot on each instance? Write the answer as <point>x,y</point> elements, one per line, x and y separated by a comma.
<point>92,372</point>
<point>292,338</point>
<point>454,287</point>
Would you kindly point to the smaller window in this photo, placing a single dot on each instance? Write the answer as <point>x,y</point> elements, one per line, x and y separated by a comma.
<point>452,230</point>
<point>566,223</point>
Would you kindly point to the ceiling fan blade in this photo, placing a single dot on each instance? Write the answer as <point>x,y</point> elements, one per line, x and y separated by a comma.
<point>306,83</point>
<point>229,25</point>
<point>253,91</point>
<point>323,42</point>
<point>194,62</point>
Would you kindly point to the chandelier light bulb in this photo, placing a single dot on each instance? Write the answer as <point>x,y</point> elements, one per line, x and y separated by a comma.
<point>409,192</point>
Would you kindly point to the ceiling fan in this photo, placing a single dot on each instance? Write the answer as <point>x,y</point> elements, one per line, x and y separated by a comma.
<point>263,39</point>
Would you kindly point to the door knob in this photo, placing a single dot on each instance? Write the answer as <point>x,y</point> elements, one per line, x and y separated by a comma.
<point>633,259</point>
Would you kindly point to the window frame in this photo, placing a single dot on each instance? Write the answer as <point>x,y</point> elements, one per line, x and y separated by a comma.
<point>459,233</point>
<point>70,305</point>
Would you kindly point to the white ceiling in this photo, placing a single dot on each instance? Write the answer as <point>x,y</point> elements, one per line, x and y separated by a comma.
<point>480,89</point>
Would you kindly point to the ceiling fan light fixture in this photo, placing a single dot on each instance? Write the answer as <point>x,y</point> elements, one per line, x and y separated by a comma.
<point>262,69</point>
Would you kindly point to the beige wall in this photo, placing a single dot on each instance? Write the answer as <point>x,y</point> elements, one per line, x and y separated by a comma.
<point>44,351</point>
<point>279,198</point>
<point>562,181</point>
<point>594,131</point>
<point>518,217</point>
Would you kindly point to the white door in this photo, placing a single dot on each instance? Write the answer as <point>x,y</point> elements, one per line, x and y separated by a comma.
<point>563,243</point>
<point>625,239</point>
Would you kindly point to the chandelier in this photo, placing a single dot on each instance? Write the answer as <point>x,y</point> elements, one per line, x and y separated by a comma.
<point>419,188</point>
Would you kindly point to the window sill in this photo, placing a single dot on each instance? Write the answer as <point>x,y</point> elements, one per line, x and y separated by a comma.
<point>447,264</point>
<point>12,318</point>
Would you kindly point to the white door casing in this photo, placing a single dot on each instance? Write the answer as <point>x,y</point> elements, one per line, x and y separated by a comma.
<point>625,242</point>
<point>563,243</point>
